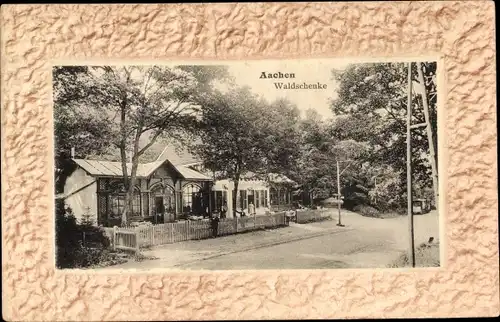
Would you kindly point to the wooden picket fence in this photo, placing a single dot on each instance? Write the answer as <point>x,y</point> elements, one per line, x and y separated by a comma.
<point>134,238</point>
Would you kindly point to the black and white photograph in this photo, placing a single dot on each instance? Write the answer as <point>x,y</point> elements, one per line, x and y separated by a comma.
<point>245,165</point>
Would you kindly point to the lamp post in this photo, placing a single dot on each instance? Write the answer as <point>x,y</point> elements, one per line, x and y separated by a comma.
<point>339,196</point>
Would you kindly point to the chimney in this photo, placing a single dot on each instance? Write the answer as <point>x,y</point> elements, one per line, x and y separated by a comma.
<point>72,153</point>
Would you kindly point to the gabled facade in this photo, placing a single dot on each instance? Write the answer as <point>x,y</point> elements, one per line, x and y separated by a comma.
<point>163,191</point>
<point>172,187</point>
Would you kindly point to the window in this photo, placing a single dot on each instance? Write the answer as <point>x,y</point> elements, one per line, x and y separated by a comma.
<point>250,197</point>
<point>162,200</point>
<point>257,198</point>
<point>218,200</point>
<point>117,205</point>
<point>243,199</point>
<point>266,204</point>
<point>192,198</point>
<point>283,197</point>
<point>273,194</point>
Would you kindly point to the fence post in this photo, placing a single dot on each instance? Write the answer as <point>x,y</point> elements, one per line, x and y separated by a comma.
<point>171,232</point>
<point>152,235</point>
<point>114,237</point>
<point>137,246</point>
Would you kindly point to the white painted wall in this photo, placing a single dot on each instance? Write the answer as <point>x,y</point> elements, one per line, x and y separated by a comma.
<point>227,185</point>
<point>86,197</point>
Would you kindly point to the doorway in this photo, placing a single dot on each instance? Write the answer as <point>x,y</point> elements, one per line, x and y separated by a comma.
<point>159,209</point>
<point>251,197</point>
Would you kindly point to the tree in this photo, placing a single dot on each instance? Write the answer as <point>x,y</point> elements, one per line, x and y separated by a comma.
<point>371,108</point>
<point>281,128</point>
<point>134,102</point>
<point>242,134</point>
<point>73,125</point>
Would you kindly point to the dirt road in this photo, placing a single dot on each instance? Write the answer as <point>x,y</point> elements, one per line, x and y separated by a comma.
<point>363,242</point>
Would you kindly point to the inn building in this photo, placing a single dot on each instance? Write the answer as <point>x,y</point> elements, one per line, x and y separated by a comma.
<point>170,188</point>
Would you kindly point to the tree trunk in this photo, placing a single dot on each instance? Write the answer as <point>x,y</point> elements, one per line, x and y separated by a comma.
<point>125,183</point>
<point>123,156</point>
<point>129,196</point>
<point>236,180</point>
<point>235,193</point>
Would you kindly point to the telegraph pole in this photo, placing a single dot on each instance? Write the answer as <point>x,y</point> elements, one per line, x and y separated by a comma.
<point>409,170</point>
<point>429,135</point>
<point>338,194</point>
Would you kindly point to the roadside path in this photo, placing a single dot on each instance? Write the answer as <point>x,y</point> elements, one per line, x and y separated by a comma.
<point>363,242</point>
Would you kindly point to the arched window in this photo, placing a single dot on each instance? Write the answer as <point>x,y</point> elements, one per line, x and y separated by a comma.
<point>162,199</point>
<point>117,200</point>
<point>283,196</point>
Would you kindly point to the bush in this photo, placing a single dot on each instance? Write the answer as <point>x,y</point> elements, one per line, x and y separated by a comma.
<point>367,211</point>
<point>426,255</point>
<point>77,245</point>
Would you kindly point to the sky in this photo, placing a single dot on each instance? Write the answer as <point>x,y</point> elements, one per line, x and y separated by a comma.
<point>248,73</point>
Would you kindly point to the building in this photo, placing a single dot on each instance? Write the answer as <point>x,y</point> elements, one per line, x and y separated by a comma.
<point>172,187</point>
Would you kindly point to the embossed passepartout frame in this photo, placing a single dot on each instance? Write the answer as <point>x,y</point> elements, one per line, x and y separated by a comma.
<point>460,33</point>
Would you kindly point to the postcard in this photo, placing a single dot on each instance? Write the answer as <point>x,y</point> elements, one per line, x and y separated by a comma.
<point>249,161</point>
<point>265,164</point>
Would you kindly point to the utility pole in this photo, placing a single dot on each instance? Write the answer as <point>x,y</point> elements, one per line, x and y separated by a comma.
<point>338,194</point>
<point>429,135</point>
<point>409,170</point>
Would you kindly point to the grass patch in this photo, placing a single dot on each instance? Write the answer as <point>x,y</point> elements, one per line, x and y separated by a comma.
<point>311,220</point>
<point>109,258</point>
<point>426,255</point>
<point>388,215</point>
<point>141,257</point>
<point>368,211</point>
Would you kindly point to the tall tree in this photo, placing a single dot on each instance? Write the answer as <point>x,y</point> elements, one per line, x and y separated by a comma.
<point>281,125</point>
<point>243,133</point>
<point>371,107</point>
<point>136,102</point>
<point>74,124</point>
<point>312,168</point>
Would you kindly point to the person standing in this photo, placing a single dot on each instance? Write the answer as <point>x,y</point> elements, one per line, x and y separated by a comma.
<point>215,225</point>
<point>224,210</point>
<point>251,209</point>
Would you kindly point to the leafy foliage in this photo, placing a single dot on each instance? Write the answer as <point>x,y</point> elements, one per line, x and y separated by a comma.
<point>371,109</point>
<point>242,133</point>
<point>71,252</point>
<point>126,109</point>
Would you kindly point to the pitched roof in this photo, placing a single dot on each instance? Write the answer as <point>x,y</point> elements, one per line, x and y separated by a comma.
<point>280,178</point>
<point>191,174</point>
<point>177,156</point>
<point>111,168</point>
<point>144,170</point>
<point>271,177</point>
